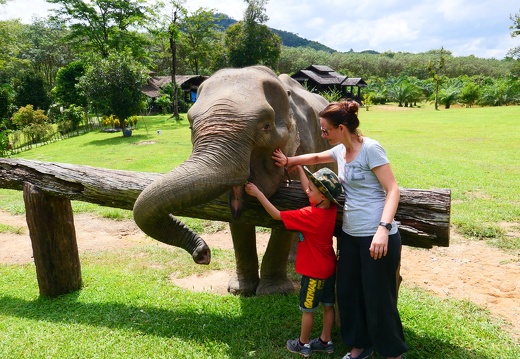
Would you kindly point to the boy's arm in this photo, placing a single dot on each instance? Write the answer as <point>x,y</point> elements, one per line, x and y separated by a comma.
<point>252,190</point>
<point>303,178</point>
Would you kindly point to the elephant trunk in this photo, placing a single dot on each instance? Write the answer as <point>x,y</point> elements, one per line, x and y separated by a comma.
<point>194,182</point>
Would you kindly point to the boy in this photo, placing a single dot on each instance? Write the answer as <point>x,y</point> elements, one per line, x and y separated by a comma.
<point>315,257</point>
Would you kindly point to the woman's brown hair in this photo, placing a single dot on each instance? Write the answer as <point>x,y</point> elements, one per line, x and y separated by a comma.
<point>344,113</point>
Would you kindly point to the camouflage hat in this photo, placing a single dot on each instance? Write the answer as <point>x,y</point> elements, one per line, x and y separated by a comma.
<point>326,182</point>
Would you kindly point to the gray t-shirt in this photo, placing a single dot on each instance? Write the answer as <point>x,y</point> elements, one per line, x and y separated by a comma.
<point>364,195</point>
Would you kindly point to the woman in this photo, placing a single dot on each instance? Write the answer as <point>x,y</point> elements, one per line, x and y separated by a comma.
<point>369,250</point>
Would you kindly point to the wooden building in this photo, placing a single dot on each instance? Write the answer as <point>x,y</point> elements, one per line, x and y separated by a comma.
<point>320,78</point>
<point>189,85</point>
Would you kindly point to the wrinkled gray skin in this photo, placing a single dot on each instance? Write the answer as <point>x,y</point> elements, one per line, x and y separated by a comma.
<point>241,116</point>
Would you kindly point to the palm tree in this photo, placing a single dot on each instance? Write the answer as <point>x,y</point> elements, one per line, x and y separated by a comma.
<point>500,92</point>
<point>449,92</point>
<point>402,91</point>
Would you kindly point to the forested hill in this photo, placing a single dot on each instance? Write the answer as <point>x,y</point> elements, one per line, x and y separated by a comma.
<point>288,38</point>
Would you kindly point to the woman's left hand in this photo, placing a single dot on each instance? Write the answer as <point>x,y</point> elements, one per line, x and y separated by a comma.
<point>379,246</point>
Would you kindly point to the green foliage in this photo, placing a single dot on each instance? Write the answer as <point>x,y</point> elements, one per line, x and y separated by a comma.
<point>132,121</point>
<point>332,94</point>
<point>252,45</point>
<point>250,42</point>
<point>515,31</point>
<point>200,45</point>
<point>65,91</point>
<point>27,116</point>
<point>500,92</point>
<point>46,49</point>
<point>292,40</point>
<point>5,228</point>
<point>165,103</point>
<point>70,119</point>
<point>449,92</point>
<point>30,90</point>
<point>469,93</point>
<point>436,70</point>
<point>289,39</point>
<point>105,26</point>
<point>382,66</point>
<point>403,90</point>
<point>4,143</point>
<point>113,86</point>
<point>33,123</point>
<point>7,95</point>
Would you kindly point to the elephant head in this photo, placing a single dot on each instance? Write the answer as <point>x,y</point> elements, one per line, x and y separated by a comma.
<point>241,116</point>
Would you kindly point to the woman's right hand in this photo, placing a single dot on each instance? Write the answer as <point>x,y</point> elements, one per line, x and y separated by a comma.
<point>279,158</point>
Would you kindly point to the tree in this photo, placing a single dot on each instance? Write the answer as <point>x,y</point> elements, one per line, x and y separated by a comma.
<point>249,42</point>
<point>104,26</point>
<point>178,12</point>
<point>200,40</point>
<point>112,86</point>
<point>469,93</point>
<point>30,90</point>
<point>169,30</point>
<point>515,31</point>
<point>33,123</point>
<point>46,49</point>
<point>13,43</point>
<point>436,68</point>
<point>7,95</point>
<point>501,92</point>
<point>70,119</point>
<point>403,91</point>
<point>449,92</point>
<point>66,92</point>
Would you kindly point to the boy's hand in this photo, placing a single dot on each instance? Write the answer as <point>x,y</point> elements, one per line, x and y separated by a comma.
<point>252,189</point>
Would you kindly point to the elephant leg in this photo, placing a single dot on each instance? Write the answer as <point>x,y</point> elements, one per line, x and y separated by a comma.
<point>246,279</point>
<point>273,273</point>
<point>294,247</point>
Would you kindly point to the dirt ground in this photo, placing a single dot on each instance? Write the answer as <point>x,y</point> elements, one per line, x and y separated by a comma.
<point>468,270</point>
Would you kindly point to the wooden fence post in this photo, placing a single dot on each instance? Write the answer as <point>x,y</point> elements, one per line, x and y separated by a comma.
<point>53,237</point>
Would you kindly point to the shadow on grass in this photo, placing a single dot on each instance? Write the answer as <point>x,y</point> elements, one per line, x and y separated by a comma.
<point>262,328</point>
<point>119,138</point>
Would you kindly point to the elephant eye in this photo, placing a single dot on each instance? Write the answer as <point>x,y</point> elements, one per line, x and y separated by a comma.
<point>266,127</point>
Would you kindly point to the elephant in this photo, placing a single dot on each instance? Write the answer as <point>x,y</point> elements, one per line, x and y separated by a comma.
<point>240,117</point>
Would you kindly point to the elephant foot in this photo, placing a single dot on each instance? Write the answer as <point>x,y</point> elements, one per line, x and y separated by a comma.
<point>245,287</point>
<point>202,254</point>
<point>275,285</point>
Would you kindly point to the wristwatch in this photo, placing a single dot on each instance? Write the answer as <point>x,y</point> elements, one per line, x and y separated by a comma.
<point>386,225</point>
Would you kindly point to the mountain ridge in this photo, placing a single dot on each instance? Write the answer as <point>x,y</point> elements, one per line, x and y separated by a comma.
<point>288,38</point>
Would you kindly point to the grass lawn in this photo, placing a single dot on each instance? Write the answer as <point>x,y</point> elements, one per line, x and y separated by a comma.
<point>129,309</point>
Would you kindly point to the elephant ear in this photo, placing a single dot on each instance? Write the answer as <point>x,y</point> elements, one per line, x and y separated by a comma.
<point>305,107</point>
<point>293,144</point>
<point>278,96</point>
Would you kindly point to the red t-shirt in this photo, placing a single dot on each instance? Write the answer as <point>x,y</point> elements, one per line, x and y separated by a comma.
<point>315,256</point>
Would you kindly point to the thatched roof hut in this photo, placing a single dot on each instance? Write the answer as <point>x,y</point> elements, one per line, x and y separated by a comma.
<point>320,78</point>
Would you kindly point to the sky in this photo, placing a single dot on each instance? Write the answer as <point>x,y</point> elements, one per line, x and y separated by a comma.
<point>464,27</point>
